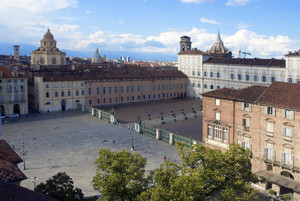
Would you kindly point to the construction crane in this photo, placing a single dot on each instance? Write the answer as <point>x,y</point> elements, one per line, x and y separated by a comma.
<point>244,53</point>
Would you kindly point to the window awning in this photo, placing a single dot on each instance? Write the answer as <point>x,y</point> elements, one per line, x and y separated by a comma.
<point>279,180</point>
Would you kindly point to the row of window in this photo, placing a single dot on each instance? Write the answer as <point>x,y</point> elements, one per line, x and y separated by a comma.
<point>134,88</point>
<point>13,81</point>
<point>144,97</point>
<point>62,85</point>
<point>63,94</point>
<point>217,132</point>
<point>9,88</point>
<point>287,157</point>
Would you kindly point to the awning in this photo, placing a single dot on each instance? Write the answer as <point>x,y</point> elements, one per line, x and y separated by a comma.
<point>279,180</point>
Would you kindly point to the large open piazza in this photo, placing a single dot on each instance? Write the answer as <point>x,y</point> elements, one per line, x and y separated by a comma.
<point>69,142</point>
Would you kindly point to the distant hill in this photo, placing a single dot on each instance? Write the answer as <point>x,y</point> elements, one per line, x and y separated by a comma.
<point>25,49</point>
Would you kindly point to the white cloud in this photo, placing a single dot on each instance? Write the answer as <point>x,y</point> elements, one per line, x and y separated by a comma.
<point>37,6</point>
<point>89,12</point>
<point>121,21</point>
<point>208,21</point>
<point>196,1</point>
<point>237,2</point>
<point>243,26</point>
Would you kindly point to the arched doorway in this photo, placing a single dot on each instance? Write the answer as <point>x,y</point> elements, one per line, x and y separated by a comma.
<point>284,190</point>
<point>2,110</point>
<point>63,105</point>
<point>16,109</point>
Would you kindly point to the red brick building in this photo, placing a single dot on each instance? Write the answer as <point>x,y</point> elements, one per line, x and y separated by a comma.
<point>266,120</point>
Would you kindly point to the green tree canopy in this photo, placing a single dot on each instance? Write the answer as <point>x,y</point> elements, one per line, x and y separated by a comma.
<point>120,175</point>
<point>60,187</point>
<point>205,174</point>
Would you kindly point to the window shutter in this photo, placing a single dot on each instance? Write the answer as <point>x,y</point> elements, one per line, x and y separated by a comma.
<point>283,113</point>
<point>274,111</point>
<point>292,114</point>
<point>283,130</point>
<point>243,106</point>
<point>292,132</point>
<point>266,152</point>
<point>266,110</point>
<point>249,107</point>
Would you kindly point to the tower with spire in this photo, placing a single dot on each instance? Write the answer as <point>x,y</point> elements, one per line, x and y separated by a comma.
<point>219,49</point>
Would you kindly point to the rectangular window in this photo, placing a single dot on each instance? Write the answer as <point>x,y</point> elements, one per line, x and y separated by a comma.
<point>62,94</point>
<point>128,89</point>
<point>90,101</point>
<point>104,90</point>
<point>82,92</point>
<point>138,88</point>
<point>288,131</point>
<point>98,90</point>
<point>132,88</point>
<point>132,98</point>
<point>289,114</point>
<point>198,73</point>
<point>204,74</point>
<point>218,101</point>
<point>69,93</point>
<point>218,75</point>
<point>122,89</point>
<point>47,86</point>
<point>269,152</point>
<point>193,72</point>
<point>270,128</point>
<point>158,87</point>
<point>109,90</point>
<point>153,87</point>
<point>211,86</point>
<point>110,100</point>
<point>77,93</point>
<point>116,89</point>
<point>246,123</point>
<point>264,79</point>
<point>290,80</point>
<point>240,77</point>
<point>246,106</point>
<point>270,110</point>
<point>211,74</point>
<point>56,94</point>
<point>239,133</point>
<point>90,91</point>
<point>209,130</point>
<point>225,133</point>
<point>247,77</point>
<point>198,85</point>
<point>232,76</point>
<point>217,132</point>
<point>218,116</point>
<point>287,157</point>
<point>47,95</point>
<point>255,78</point>
<point>104,100</point>
<point>273,79</point>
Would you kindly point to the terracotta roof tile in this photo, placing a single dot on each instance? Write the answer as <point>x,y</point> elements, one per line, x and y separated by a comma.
<point>193,51</point>
<point>13,192</point>
<point>10,172</point>
<point>8,154</point>
<point>282,94</point>
<point>7,73</point>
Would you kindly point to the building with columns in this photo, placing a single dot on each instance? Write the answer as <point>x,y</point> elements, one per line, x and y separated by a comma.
<point>48,53</point>
<point>216,68</point>
<point>265,120</point>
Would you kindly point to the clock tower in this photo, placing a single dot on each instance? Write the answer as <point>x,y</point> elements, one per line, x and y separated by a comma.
<point>48,53</point>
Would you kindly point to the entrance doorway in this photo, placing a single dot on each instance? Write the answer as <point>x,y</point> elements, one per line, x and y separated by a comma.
<point>2,110</point>
<point>16,109</point>
<point>63,105</point>
<point>284,190</point>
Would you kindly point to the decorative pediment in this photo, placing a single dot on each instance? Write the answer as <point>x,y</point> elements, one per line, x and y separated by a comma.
<point>270,120</point>
<point>246,116</point>
<point>288,124</point>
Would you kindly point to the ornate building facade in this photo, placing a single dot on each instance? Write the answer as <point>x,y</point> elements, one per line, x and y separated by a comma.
<point>216,69</point>
<point>265,120</point>
<point>48,53</point>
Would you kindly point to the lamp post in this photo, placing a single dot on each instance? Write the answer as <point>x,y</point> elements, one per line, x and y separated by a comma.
<point>34,180</point>
<point>23,153</point>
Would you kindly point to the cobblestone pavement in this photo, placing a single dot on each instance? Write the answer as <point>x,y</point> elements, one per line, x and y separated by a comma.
<point>69,142</point>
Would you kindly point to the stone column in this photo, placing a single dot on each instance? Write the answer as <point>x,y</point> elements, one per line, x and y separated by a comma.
<point>93,111</point>
<point>100,114</point>
<point>158,134</point>
<point>172,141</point>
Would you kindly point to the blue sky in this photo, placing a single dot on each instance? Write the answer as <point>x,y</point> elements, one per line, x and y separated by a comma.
<point>142,28</point>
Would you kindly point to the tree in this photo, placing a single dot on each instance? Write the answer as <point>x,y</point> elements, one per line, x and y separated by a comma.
<point>205,174</point>
<point>60,187</point>
<point>120,175</point>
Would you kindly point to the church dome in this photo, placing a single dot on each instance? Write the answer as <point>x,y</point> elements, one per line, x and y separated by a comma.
<point>218,47</point>
<point>48,35</point>
<point>97,57</point>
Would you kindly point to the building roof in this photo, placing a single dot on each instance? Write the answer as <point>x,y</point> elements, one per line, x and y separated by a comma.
<point>126,72</point>
<point>282,94</point>
<point>13,192</point>
<point>10,172</point>
<point>8,73</point>
<point>279,63</point>
<point>48,35</point>
<point>192,52</point>
<point>296,53</point>
<point>218,47</point>
<point>249,94</point>
<point>8,154</point>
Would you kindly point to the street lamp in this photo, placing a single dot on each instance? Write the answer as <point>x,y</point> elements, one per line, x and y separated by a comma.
<point>23,153</point>
<point>34,180</point>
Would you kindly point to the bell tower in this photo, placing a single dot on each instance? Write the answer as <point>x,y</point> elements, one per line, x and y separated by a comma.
<point>16,53</point>
<point>185,43</point>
